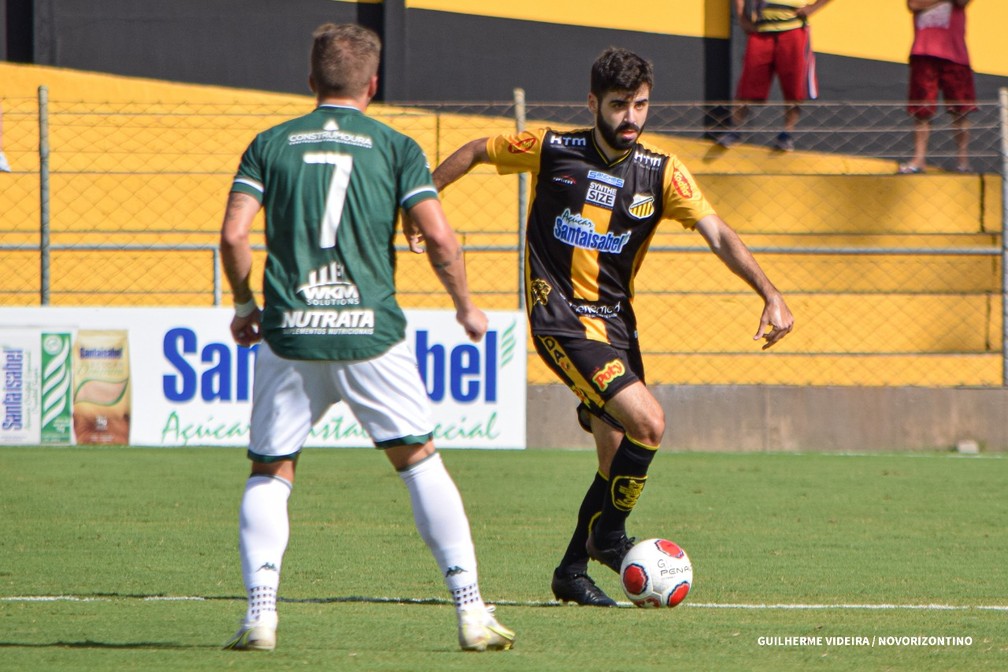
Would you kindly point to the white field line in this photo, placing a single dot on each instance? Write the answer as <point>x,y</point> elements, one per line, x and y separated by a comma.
<point>517,603</point>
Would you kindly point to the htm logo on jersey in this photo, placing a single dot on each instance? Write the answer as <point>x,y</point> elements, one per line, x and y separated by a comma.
<point>327,286</point>
<point>642,206</point>
<point>576,231</point>
<point>568,141</point>
<point>648,160</point>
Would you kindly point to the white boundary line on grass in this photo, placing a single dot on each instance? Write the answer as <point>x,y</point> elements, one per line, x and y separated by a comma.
<point>516,603</point>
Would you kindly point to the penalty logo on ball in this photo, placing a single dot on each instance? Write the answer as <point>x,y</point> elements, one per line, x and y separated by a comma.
<point>656,573</point>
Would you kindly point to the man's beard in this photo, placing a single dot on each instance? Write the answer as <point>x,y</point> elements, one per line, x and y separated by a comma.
<point>611,135</point>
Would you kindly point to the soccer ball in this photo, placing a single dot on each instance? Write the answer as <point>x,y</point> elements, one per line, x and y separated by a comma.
<point>656,573</point>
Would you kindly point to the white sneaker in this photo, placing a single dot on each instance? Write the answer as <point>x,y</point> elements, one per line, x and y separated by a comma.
<point>257,635</point>
<point>480,631</point>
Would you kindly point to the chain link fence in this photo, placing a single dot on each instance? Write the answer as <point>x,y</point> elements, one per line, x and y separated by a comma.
<point>893,279</point>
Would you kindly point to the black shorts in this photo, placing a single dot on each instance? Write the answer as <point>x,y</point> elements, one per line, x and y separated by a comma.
<point>593,370</point>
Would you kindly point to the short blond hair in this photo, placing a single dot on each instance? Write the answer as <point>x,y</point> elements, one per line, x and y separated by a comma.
<point>344,58</point>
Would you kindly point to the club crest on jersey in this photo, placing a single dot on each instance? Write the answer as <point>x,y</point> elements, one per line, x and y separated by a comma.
<point>328,286</point>
<point>642,206</point>
<point>682,184</point>
<point>608,373</point>
<point>540,292</point>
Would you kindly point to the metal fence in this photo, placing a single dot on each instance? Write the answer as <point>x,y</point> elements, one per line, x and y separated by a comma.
<point>894,280</point>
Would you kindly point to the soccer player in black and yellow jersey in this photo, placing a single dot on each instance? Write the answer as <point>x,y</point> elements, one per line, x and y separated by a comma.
<point>599,195</point>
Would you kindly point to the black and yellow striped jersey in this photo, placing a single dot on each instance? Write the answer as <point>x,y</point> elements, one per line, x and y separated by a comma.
<point>589,226</point>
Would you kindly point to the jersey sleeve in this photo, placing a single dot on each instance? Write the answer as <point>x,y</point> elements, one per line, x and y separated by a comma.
<point>415,183</point>
<point>516,152</point>
<point>249,178</point>
<point>684,201</point>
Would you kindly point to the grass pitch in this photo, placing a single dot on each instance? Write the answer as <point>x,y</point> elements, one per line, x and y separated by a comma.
<point>125,559</point>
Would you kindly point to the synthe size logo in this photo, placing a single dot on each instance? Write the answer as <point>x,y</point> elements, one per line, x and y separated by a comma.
<point>601,194</point>
<point>327,286</point>
<point>576,231</point>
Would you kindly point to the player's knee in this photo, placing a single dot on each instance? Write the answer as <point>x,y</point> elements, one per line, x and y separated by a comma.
<point>649,428</point>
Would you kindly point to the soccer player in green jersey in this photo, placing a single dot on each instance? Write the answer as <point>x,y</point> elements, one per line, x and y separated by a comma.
<point>331,184</point>
<point>600,194</point>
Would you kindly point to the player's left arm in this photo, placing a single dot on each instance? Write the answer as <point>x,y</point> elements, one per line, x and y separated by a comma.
<point>776,321</point>
<point>236,258</point>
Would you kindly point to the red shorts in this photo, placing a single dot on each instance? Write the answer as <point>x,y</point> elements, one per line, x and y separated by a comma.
<point>928,75</point>
<point>789,55</point>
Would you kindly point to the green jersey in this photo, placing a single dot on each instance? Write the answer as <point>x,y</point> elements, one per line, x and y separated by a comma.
<point>331,183</point>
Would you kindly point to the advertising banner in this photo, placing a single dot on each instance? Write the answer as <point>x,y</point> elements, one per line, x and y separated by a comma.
<point>174,377</point>
<point>35,390</point>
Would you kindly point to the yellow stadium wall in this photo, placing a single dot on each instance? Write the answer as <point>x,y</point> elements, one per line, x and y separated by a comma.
<point>484,209</point>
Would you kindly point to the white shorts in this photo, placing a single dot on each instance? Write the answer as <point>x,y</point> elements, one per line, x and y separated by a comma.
<point>385,394</point>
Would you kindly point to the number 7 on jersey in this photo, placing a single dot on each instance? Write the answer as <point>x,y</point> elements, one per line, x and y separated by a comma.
<point>338,185</point>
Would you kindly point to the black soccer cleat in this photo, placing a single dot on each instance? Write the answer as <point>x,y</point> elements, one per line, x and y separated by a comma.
<point>578,587</point>
<point>611,556</point>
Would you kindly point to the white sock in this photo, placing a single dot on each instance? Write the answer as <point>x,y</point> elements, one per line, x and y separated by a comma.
<point>441,520</point>
<point>263,532</point>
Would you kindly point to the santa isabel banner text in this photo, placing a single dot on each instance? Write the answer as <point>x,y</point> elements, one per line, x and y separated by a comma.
<point>174,377</point>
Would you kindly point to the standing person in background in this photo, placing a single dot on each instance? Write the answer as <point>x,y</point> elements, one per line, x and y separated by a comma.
<point>331,183</point>
<point>939,60</point>
<point>778,42</point>
<point>600,195</point>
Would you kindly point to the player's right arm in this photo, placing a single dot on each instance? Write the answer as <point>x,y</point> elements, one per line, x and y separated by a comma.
<point>462,160</point>
<point>236,258</point>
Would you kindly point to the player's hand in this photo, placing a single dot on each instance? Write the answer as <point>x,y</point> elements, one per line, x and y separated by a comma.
<point>414,237</point>
<point>776,321</point>
<point>474,321</point>
<point>247,331</point>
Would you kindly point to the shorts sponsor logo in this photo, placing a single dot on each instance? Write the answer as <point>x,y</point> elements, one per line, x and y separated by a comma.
<point>556,353</point>
<point>522,145</point>
<point>617,182</point>
<point>565,179</point>
<point>577,231</point>
<point>682,184</point>
<point>327,286</point>
<point>610,372</point>
<point>601,194</point>
<point>642,206</point>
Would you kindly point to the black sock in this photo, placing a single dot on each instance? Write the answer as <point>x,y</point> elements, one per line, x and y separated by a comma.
<point>575,560</point>
<point>627,476</point>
